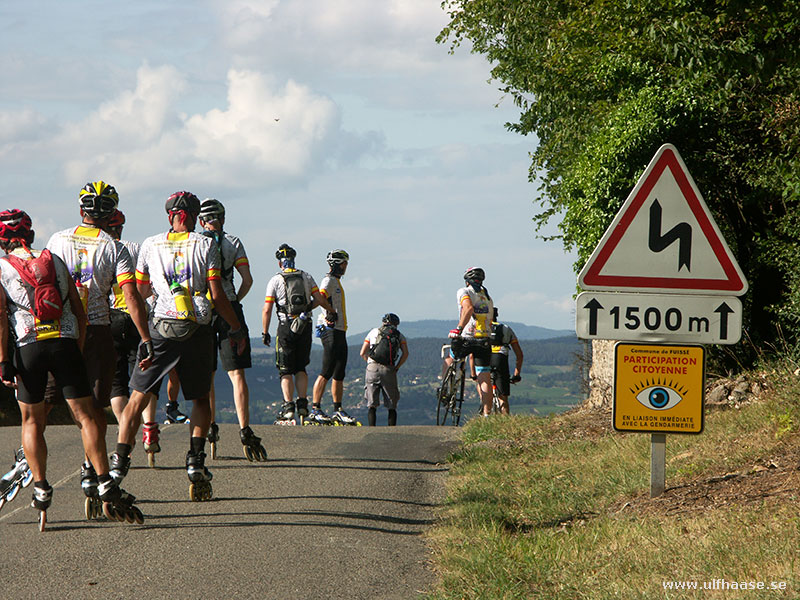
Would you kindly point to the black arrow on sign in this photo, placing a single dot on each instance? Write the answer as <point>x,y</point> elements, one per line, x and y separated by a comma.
<point>593,305</point>
<point>682,232</point>
<point>724,310</point>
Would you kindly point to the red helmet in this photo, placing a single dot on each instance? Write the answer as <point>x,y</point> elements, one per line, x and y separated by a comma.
<point>15,224</point>
<point>117,219</point>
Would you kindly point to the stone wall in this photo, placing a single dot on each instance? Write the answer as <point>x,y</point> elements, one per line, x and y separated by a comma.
<point>601,374</point>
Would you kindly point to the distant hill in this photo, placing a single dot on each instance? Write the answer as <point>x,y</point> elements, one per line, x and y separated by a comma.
<point>438,328</point>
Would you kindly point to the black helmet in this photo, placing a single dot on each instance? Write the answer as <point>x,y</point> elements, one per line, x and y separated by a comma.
<point>391,319</point>
<point>98,199</point>
<point>285,251</point>
<point>183,201</point>
<point>475,274</point>
<point>211,209</point>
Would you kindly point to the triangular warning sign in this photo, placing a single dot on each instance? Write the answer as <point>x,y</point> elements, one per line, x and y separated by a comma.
<point>664,239</point>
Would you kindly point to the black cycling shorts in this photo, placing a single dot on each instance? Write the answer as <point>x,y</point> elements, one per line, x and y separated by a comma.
<point>501,374</point>
<point>60,357</point>
<point>126,342</point>
<point>480,349</point>
<point>334,354</point>
<point>292,351</point>
<point>227,353</point>
<point>193,358</point>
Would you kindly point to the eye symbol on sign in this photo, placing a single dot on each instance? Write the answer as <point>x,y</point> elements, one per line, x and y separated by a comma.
<point>658,395</point>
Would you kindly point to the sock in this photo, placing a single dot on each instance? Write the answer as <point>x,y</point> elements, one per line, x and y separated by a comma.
<point>124,449</point>
<point>337,406</point>
<point>41,484</point>
<point>371,417</point>
<point>392,418</point>
<point>103,478</point>
<point>197,444</point>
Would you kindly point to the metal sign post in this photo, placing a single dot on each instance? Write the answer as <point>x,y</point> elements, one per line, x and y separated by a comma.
<point>658,464</point>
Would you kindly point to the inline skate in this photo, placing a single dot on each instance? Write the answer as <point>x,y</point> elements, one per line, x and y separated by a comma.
<point>340,417</point>
<point>42,497</point>
<point>286,414</point>
<point>118,466</point>
<point>174,415</point>
<point>150,442</point>
<point>18,477</point>
<point>118,504</point>
<point>251,445</point>
<point>213,438</point>
<point>199,477</point>
<point>318,417</point>
<point>92,506</point>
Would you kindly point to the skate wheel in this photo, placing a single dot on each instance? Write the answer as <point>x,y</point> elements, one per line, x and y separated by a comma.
<point>214,450</point>
<point>88,508</point>
<point>12,492</point>
<point>262,454</point>
<point>2,502</point>
<point>112,514</point>
<point>151,459</point>
<point>248,454</point>
<point>28,479</point>
<point>137,515</point>
<point>42,519</point>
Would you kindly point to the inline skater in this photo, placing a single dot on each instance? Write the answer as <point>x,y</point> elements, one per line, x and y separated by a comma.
<point>97,261</point>
<point>234,259</point>
<point>334,343</point>
<point>41,306</point>
<point>294,294</point>
<point>474,330</point>
<point>385,350</point>
<point>503,338</point>
<point>180,267</point>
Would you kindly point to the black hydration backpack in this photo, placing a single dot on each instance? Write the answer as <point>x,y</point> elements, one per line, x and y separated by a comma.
<point>387,346</point>
<point>297,300</point>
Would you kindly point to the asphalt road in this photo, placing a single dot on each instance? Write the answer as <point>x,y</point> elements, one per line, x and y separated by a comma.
<point>335,512</point>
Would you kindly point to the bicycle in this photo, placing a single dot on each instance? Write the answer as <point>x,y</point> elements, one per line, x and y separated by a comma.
<point>450,395</point>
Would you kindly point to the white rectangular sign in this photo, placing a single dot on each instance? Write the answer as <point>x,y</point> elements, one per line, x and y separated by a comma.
<point>658,318</point>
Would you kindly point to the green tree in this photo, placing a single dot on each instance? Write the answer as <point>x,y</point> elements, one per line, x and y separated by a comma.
<point>602,85</point>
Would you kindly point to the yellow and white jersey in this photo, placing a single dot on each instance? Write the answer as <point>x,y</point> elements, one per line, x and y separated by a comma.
<point>19,295</point>
<point>96,261</point>
<point>331,288</point>
<point>117,298</point>
<point>480,325</point>
<point>179,267</point>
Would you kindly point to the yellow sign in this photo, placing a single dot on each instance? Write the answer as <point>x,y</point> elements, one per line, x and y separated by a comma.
<point>658,388</point>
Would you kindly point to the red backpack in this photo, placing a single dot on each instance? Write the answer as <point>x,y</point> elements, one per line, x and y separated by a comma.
<point>40,272</point>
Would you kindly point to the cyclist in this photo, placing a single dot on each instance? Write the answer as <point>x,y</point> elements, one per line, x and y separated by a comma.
<point>97,261</point>
<point>502,339</point>
<point>383,362</point>
<point>334,342</point>
<point>474,329</point>
<point>46,345</point>
<point>180,267</point>
<point>294,294</point>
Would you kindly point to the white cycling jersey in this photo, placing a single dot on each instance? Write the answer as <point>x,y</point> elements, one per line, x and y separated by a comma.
<point>480,325</point>
<point>96,261</point>
<point>331,288</point>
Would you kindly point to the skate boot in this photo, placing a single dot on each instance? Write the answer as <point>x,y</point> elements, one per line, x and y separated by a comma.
<point>118,504</point>
<point>42,497</point>
<point>92,506</point>
<point>199,477</point>
<point>253,450</point>
<point>342,418</point>
<point>213,438</point>
<point>150,442</point>
<point>118,466</point>
<point>174,415</point>
<point>318,417</point>
<point>302,409</point>
<point>286,415</point>
<point>18,477</point>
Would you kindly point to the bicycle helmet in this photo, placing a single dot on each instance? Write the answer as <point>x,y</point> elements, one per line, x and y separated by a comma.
<point>475,274</point>
<point>391,319</point>
<point>285,251</point>
<point>98,200</point>
<point>337,257</point>
<point>15,224</point>
<point>183,201</point>
<point>211,209</point>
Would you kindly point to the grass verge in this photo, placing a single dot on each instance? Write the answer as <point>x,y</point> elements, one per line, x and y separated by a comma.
<point>559,507</point>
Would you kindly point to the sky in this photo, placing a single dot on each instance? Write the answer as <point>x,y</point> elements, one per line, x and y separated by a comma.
<point>320,124</point>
